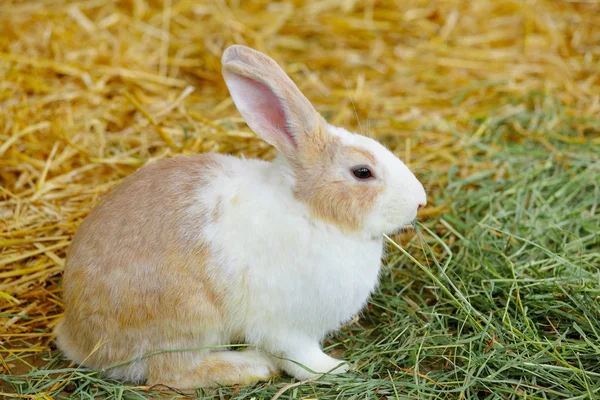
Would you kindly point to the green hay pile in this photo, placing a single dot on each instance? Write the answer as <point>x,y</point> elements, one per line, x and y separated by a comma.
<point>494,104</point>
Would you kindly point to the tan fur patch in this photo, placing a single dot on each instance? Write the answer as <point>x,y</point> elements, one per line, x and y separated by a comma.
<point>135,269</point>
<point>317,147</point>
<point>352,151</point>
<point>330,197</point>
<point>214,368</point>
<point>202,258</point>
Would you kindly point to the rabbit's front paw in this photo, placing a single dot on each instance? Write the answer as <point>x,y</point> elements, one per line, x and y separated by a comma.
<point>330,365</point>
<point>312,364</point>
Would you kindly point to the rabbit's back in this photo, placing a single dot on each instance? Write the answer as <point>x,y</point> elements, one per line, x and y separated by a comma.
<point>137,265</point>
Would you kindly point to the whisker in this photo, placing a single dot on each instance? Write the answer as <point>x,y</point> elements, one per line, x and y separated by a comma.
<point>369,123</point>
<point>353,105</point>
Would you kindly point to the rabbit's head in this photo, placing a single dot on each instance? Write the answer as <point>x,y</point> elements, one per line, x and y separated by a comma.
<point>345,179</point>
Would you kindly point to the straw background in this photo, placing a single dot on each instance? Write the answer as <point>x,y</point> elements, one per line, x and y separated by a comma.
<point>91,90</point>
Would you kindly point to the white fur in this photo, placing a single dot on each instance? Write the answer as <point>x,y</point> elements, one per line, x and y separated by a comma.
<point>289,279</point>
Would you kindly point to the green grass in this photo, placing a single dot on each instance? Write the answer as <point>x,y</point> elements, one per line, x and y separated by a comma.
<point>497,298</point>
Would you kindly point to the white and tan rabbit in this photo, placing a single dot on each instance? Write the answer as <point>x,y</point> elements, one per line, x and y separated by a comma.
<point>208,250</point>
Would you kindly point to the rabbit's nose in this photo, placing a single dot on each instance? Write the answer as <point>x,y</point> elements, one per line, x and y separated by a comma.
<point>421,205</point>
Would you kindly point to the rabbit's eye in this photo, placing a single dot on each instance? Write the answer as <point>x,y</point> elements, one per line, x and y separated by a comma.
<point>362,173</point>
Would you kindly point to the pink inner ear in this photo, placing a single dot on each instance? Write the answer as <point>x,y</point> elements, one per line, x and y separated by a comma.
<point>267,110</point>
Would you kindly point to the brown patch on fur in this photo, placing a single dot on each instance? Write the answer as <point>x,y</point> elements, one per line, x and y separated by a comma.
<point>359,152</point>
<point>316,147</point>
<point>136,271</point>
<point>215,368</point>
<point>330,196</point>
<point>202,258</point>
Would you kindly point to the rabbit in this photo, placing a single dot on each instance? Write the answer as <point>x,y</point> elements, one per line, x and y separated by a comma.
<point>190,255</point>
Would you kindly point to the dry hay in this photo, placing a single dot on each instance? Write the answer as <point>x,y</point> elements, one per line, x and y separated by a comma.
<point>91,90</point>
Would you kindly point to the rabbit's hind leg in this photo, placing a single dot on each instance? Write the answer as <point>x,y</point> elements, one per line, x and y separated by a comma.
<point>211,369</point>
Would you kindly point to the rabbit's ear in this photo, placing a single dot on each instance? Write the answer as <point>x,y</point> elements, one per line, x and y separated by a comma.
<point>270,102</point>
